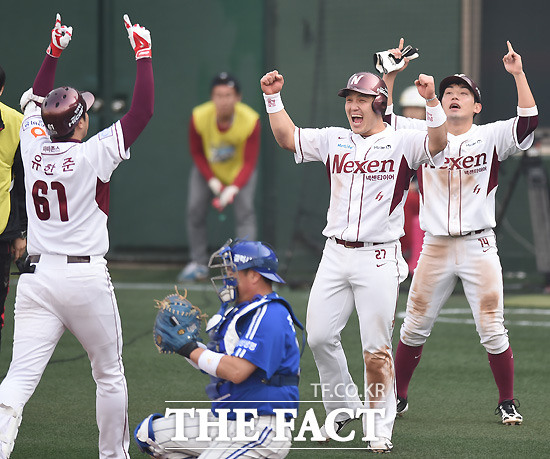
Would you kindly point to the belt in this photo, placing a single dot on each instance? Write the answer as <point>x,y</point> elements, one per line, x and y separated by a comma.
<point>355,245</point>
<point>70,258</point>
<point>474,232</point>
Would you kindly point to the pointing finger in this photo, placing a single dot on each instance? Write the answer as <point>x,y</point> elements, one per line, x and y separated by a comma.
<point>127,22</point>
<point>57,21</point>
<point>401,43</point>
<point>510,49</point>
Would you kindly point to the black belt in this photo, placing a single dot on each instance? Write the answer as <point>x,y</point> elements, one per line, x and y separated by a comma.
<point>279,380</point>
<point>70,258</point>
<point>474,232</point>
<point>353,245</point>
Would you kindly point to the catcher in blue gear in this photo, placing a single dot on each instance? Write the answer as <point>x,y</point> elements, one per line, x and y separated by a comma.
<point>252,359</point>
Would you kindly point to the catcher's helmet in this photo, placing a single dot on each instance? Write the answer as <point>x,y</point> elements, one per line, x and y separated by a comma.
<point>239,255</point>
<point>62,109</point>
<point>460,78</point>
<point>371,84</point>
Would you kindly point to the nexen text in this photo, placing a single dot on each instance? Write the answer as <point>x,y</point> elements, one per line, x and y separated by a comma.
<point>361,167</point>
<point>464,162</point>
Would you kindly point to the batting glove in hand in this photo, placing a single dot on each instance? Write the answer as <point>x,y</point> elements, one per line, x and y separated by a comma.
<point>228,195</point>
<point>61,36</point>
<point>140,38</point>
<point>386,62</point>
<point>177,325</point>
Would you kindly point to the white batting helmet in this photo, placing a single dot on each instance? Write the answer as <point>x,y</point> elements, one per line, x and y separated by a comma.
<point>411,98</point>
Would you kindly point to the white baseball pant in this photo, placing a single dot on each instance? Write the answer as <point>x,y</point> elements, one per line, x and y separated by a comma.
<point>444,259</point>
<point>366,279</point>
<point>165,428</point>
<point>78,297</point>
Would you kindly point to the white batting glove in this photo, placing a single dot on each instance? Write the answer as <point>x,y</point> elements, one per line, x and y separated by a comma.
<point>140,38</point>
<point>228,195</point>
<point>61,36</point>
<point>386,62</point>
<point>215,186</point>
<point>29,96</point>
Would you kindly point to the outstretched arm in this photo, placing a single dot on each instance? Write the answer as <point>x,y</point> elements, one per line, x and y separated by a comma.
<point>389,78</point>
<point>60,37</point>
<point>514,66</point>
<point>281,124</point>
<point>527,109</point>
<point>436,120</point>
<point>143,99</point>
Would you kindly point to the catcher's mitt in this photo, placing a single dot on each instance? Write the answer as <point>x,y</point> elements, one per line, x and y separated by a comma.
<point>178,323</point>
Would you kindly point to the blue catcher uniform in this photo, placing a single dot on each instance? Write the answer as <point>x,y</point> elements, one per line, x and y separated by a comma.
<point>261,331</point>
<point>253,331</point>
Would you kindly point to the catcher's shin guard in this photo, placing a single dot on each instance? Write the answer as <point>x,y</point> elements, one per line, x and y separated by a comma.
<point>8,435</point>
<point>145,435</point>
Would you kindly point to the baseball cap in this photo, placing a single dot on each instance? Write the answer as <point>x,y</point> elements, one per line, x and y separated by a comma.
<point>226,79</point>
<point>460,78</point>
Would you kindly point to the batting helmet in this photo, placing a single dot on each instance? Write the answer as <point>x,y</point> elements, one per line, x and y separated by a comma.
<point>411,98</point>
<point>460,78</point>
<point>371,84</point>
<point>62,109</point>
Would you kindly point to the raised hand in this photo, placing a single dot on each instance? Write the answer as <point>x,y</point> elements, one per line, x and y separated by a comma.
<point>512,61</point>
<point>61,36</point>
<point>426,86</point>
<point>140,38</point>
<point>272,82</point>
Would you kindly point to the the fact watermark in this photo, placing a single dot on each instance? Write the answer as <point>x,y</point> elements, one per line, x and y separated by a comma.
<point>245,418</point>
<point>305,428</point>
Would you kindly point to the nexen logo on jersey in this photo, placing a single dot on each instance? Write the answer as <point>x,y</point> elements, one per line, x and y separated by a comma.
<point>361,167</point>
<point>464,162</point>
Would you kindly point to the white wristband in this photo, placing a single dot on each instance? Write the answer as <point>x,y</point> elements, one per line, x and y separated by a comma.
<point>273,103</point>
<point>435,116</point>
<point>209,361</point>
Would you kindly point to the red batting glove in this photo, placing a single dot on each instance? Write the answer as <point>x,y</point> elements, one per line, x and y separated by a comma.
<point>140,38</point>
<point>61,36</point>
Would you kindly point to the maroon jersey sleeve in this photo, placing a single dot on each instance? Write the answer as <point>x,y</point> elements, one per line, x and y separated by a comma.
<point>143,101</point>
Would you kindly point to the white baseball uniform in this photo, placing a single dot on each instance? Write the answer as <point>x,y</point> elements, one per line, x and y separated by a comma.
<point>369,179</point>
<point>67,202</point>
<point>457,211</point>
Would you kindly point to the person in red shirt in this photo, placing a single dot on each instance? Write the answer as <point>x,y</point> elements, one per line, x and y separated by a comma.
<point>224,142</point>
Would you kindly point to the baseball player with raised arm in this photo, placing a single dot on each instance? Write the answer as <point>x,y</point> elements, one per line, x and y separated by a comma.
<point>253,360</point>
<point>369,169</point>
<point>66,283</point>
<point>458,214</point>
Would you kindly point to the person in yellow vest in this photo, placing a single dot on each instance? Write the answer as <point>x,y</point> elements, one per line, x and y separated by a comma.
<point>13,217</point>
<point>224,141</point>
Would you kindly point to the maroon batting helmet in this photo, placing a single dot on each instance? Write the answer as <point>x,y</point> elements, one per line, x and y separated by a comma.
<point>62,109</point>
<point>460,78</point>
<point>371,84</point>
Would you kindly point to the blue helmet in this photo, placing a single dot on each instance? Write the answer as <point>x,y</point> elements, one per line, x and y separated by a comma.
<point>258,256</point>
<point>242,254</point>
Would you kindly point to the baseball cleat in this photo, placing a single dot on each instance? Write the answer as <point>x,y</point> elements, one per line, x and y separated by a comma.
<point>193,272</point>
<point>510,416</point>
<point>380,446</point>
<point>402,406</point>
<point>339,425</point>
